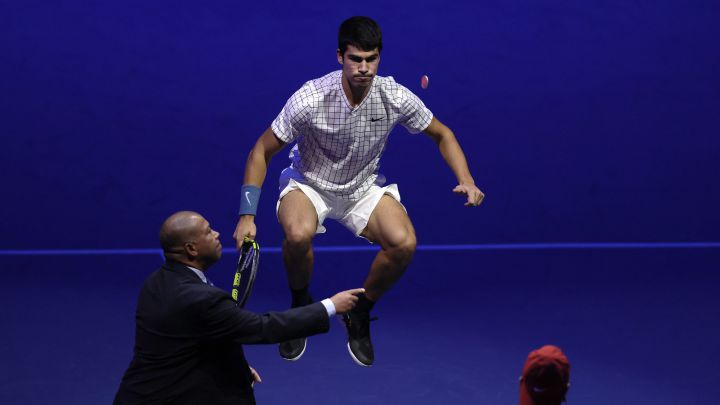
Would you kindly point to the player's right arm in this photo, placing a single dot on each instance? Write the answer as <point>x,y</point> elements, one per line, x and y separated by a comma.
<point>255,170</point>
<point>284,129</point>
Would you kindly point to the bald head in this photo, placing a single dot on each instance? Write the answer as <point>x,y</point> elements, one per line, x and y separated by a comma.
<point>187,237</point>
<point>179,228</point>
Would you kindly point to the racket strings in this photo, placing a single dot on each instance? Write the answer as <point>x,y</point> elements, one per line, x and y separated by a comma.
<point>246,271</point>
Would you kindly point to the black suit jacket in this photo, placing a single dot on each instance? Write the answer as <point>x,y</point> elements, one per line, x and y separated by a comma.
<point>188,341</point>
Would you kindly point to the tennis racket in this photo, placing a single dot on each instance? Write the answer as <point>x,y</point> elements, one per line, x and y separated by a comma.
<point>246,270</point>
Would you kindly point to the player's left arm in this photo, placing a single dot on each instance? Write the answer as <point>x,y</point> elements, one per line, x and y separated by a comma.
<point>453,154</point>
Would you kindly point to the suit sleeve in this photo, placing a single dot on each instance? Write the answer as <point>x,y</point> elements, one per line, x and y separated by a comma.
<point>220,318</point>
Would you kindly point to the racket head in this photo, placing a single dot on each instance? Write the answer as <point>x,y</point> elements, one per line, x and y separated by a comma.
<point>246,271</point>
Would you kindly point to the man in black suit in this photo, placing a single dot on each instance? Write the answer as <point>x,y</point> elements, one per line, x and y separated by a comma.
<point>189,334</point>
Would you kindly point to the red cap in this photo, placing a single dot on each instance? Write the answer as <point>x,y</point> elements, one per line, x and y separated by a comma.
<point>545,378</point>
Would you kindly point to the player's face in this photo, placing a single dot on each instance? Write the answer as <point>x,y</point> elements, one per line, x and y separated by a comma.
<point>359,67</point>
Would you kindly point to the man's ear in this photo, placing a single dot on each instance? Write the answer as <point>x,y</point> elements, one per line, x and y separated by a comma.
<point>339,56</point>
<point>190,250</point>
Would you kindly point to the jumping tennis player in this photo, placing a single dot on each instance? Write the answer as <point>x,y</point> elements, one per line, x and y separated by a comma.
<point>340,123</point>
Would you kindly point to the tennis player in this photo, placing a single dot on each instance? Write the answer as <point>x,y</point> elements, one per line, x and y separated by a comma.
<point>340,124</point>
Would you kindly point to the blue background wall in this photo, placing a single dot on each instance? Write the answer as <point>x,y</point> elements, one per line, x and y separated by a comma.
<point>592,121</point>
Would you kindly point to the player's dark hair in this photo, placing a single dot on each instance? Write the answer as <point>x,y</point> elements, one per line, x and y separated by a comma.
<point>361,32</point>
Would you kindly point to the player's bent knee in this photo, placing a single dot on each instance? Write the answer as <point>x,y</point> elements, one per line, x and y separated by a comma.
<point>408,247</point>
<point>299,236</point>
<point>403,247</point>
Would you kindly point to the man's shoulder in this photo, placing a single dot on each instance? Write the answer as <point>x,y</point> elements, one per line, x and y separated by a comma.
<point>316,91</point>
<point>169,288</point>
<point>192,295</point>
<point>172,277</point>
<point>329,82</point>
<point>390,89</point>
<point>324,84</point>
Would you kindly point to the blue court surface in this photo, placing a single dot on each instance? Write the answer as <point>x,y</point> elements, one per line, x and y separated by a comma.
<point>640,326</point>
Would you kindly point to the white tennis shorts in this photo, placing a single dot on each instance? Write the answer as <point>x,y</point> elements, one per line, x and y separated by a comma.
<point>354,215</point>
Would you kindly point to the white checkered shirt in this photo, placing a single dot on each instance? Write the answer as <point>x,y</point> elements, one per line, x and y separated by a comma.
<point>339,147</point>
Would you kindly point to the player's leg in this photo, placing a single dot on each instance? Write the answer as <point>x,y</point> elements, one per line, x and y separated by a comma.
<point>299,220</point>
<point>389,226</point>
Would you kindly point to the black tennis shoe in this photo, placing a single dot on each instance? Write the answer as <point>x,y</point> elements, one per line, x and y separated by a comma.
<point>359,344</point>
<point>293,349</point>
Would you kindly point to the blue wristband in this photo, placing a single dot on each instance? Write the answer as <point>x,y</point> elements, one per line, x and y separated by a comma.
<point>249,199</point>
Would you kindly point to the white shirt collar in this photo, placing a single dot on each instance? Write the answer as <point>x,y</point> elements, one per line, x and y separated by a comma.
<point>199,273</point>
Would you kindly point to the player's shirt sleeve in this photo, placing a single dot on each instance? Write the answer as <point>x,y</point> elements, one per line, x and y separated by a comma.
<point>296,114</point>
<point>414,116</point>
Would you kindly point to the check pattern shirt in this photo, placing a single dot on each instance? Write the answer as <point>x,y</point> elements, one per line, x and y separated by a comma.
<point>339,147</point>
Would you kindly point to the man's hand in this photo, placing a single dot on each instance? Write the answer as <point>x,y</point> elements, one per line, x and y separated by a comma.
<point>255,376</point>
<point>245,228</point>
<point>474,195</point>
<point>346,300</point>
